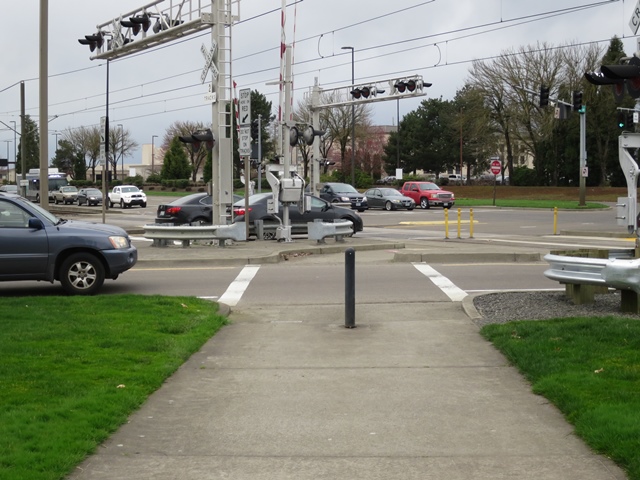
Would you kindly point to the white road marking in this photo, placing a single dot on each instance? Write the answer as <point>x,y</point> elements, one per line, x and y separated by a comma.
<point>447,286</point>
<point>233,294</point>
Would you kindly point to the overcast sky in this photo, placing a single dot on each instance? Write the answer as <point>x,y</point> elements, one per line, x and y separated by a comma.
<point>437,39</point>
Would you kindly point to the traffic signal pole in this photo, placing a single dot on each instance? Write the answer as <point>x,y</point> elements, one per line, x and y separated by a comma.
<point>583,156</point>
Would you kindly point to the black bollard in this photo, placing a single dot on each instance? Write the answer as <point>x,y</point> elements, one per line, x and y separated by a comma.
<point>350,288</point>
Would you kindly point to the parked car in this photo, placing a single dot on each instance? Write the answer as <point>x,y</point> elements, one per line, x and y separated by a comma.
<point>194,209</point>
<point>427,194</point>
<point>9,188</point>
<point>90,196</point>
<point>126,196</point>
<point>344,193</point>
<point>457,179</point>
<point>386,180</point>
<point>389,199</point>
<point>320,209</point>
<point>36,245</point>
<point>66,195</point>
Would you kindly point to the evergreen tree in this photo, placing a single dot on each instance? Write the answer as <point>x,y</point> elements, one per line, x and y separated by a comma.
<point>31,144</point>
<point>64,157</point>
<point>176,164</point>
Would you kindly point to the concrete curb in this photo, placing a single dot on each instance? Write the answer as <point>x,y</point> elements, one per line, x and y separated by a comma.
<point>267,258</point>
<point>417,257</point>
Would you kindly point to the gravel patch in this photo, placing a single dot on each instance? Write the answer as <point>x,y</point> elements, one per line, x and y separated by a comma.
<point>512,306</point>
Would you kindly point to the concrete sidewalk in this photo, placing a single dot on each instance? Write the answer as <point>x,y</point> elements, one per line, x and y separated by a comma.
<point>414,392</point>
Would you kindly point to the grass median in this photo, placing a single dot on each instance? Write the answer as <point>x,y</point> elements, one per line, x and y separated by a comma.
<point>590,369</point>
<point>74,368</point>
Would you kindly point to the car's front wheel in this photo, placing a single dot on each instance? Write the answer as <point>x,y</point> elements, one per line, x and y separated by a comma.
<point>81,274</point>
<point>144,205</point>
<point>424,203</point>
<point>121,203</point>
<point>388,207</point>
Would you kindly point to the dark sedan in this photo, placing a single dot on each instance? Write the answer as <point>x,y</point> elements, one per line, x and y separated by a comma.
<point>344,193</point>
<point>320,209</point>
<point>389,199</point>
<point>194,209</point>
<point>89,196</point>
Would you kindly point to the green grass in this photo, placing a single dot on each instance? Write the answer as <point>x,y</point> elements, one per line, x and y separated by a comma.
<point>73,369</point>
<point>590,369</point>
<point>515,203</point>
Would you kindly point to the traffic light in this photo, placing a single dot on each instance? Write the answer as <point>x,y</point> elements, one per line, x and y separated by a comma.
<point>544,96</point>
<point>408,85</point>
<point>626,75</point>
<point>94,41</point>
<point>137,23</point>
<point>195,140</point>
<point>365,92</point>
<point>309,135</point>
<point>577,101</point>
<point>293,136</point>
<point>205,136</point>
<point>255,134</point>
<point>625,119</point>
<point>164,23</point>
<point>144,20</point>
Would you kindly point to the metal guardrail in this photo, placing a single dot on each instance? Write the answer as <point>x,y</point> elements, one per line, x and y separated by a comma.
<point>618,273</point>
<point>161,233</point>
<point>319,230</point>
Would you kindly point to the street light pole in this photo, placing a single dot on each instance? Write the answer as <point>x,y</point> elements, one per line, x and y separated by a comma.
<point>15,161</point>
<point>353,119</point>
<point>153,152</point>
<point>121,150</point>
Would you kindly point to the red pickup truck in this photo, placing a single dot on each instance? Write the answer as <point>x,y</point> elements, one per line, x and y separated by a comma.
<point>427,194</point>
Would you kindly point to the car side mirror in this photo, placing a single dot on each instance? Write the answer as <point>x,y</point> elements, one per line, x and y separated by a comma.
<point>35,223</point>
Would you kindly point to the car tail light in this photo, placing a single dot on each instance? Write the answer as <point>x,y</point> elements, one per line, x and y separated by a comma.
<point>172,211</point>
<point>238,211</point>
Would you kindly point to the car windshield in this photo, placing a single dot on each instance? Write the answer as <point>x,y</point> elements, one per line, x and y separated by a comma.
<point>130,189</point>
<point>92,191</point>
<point>429,186</point>
<point>390,192</point>
<point>343,188</point>
<point>44,213</point>
<point>69,189</point>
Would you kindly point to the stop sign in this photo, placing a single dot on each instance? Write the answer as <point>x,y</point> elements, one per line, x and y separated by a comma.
<point>496,167</point>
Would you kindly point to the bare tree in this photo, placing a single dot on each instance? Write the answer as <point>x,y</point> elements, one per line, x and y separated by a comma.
<point>87,141</point>
<point>121,145</point>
